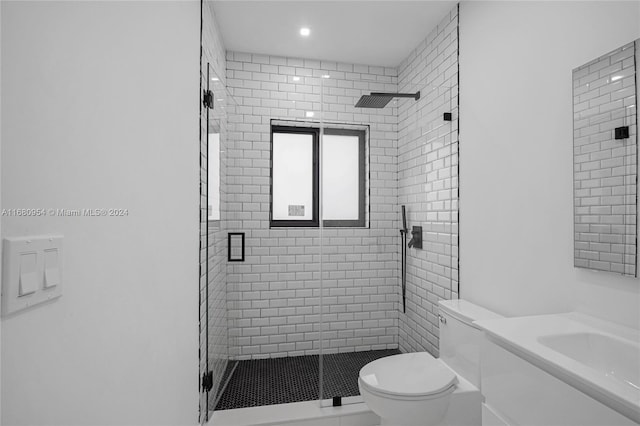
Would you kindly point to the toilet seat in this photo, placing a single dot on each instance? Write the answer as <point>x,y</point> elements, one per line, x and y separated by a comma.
<point>408,376</point>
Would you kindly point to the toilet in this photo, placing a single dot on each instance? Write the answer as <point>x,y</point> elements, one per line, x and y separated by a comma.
<point>416,389</point>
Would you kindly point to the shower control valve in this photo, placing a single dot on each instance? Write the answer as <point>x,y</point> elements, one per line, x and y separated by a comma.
<point>416,237</point>
<point>442,319</point>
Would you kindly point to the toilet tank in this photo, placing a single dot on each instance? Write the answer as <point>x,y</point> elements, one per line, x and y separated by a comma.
<point>460,339</point>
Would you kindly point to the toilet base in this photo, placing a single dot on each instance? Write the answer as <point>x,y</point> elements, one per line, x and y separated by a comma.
<point>465,408</point>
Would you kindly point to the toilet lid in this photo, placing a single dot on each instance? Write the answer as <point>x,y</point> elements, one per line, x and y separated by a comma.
<point>413,374</point>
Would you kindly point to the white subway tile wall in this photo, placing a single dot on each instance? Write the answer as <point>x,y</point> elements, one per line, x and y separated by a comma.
<point>605,169</point>
<point>428,180</point>
<point>274,296</point>
<point>215,335</point>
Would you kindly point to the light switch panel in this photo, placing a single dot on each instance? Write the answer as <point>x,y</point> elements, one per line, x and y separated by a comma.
<point>31,271</point>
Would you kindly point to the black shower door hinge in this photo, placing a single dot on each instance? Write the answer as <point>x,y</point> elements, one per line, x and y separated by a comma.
<point>207,99</point>
<point>207,381</point>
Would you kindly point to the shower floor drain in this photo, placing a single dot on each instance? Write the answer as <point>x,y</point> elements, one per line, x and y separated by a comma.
<point>294,379</point>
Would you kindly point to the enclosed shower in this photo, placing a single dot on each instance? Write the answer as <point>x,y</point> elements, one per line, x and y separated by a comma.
<point>305,165</point>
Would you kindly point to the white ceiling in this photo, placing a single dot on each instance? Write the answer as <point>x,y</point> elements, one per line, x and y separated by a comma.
<point>374,32</point>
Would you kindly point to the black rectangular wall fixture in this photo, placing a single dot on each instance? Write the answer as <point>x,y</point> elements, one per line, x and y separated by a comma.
<point>235,243</point>
<point>622,132</point>
<point>447,116</point>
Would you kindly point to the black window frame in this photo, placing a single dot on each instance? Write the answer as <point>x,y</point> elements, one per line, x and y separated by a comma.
<point>313,223</point>
<point>362,158</point>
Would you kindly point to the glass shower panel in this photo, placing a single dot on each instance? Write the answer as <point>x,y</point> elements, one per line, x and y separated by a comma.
<point>416,167</point>
<point>358,236</point>
<point>202,276</point>
<point>214,184</point>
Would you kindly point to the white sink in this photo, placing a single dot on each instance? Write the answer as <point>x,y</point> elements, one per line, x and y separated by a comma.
<point>612,357</point>
<point>599,358</point>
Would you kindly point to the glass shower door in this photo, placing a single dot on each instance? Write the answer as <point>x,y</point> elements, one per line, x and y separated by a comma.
<point>215,340</point>
<point>273,284</point>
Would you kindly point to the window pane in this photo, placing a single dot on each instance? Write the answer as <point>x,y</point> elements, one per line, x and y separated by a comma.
<point>292,176</point>
<point>340,177</point>
<point>213,177</point>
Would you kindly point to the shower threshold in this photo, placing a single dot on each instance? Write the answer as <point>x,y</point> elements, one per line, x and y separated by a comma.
<point>286,380</point>
<point>308,413</point>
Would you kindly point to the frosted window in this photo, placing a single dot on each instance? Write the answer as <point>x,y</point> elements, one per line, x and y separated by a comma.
<point>292,176</point>
<point>340,177</point>
<point>213,177</point>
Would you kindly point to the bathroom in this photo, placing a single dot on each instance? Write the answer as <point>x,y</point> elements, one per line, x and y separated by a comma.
<point>491,185</point>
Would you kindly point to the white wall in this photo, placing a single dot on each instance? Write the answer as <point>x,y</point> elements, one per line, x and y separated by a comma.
<point>516,195</point>
<point>100,109</point>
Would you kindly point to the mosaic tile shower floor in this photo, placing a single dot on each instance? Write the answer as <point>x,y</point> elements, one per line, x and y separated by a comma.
<point>294,379</point>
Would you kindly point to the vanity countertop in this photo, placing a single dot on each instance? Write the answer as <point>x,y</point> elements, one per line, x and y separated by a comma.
<point>599,358</point>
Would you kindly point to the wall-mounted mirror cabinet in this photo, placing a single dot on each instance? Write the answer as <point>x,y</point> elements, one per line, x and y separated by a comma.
<point>605,162</point>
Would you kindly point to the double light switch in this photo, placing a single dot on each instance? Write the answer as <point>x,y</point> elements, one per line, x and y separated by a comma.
<point>31,272</point>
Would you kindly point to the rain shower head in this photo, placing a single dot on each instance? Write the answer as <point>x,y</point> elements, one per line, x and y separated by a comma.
<point>380,100</point>
<point>373,101</point>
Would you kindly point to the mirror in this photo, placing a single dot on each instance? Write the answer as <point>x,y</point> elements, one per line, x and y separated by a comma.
<point>605,162</point>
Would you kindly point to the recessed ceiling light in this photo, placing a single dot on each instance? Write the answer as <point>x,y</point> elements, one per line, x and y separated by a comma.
<point>305,32</point>
<point>309,114</point>
<point>296,78</point>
